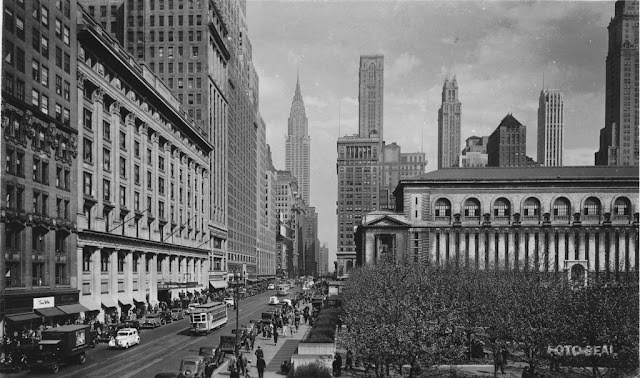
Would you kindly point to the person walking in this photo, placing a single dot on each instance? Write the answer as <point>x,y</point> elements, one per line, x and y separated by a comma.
<point>259,352</point>
<point>233,367</point>
<point>339,364</point>
<point>349,363</point>
<point>275,336</point>
<point>284,330</point>
<point>261,365</point>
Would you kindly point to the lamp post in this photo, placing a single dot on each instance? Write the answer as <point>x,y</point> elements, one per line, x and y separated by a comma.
<point>237,281</point>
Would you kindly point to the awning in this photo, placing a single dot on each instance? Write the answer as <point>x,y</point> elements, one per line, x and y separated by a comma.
<point>49,312</point>
<point>218,284</point>
<point>139,297</point>
<point>125,300</point>
<point>108,302</point>
<point>22,317</point>
<point>73,308</point>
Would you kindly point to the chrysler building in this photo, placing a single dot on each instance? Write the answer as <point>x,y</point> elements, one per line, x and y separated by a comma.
<point>298,144</point>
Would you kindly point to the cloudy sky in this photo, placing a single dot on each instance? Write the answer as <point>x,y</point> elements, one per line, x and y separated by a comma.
<point>498,50</point>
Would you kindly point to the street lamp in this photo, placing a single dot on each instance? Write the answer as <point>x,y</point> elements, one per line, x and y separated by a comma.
<point>237,282</point>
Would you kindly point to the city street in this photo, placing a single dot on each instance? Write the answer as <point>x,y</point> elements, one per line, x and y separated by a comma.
<point>160,349</point>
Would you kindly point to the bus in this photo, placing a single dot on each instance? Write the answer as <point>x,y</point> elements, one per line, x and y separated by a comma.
<point>207,317</point>
<point>283,289</point>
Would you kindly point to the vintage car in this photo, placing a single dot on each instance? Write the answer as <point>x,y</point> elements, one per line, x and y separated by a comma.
<point>108,331</point>
<point>60,346</point>
<point>271,287</point>
<point>125,338</point>
<point>229,301</point>
<point>177,314</point>
<point>274,300</point>
<point>192,366</point>
<point>151,321</point>
<point>166,317</point>
<point>132,324</point>
<point>213,357</point>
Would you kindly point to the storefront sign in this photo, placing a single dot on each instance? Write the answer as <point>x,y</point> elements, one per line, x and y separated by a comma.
<point>44,302</point>
<point>576,350</point>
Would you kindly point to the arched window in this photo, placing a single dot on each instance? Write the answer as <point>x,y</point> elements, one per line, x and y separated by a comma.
<point>622,206</point>
<point>591,206</point>
<point>472,208</point>
<point>502,208</point>
<point>372,71</point>
<point>561,208</point>
<point>443,208</point>
<point>531,208</point>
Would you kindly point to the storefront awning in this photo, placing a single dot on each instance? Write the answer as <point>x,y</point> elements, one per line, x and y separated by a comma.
<point>125,300</point>
<point>73,308</point>
<point>49,312</point>
<point>22,317</point>
<point>220,284</point>
<point>108,302</point>
<point>139,297</point>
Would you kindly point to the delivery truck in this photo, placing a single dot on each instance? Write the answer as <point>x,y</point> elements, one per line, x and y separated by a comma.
<point>61,346</point>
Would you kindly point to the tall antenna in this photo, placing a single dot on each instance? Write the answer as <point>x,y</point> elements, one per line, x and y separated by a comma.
<point>422,139</point>
<point>542,81</point>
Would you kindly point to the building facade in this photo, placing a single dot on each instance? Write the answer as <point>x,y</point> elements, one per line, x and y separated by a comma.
<point>507,145</point>
<point>371,96</point>
<point>569,219</point>
<point>449,126</point>
<point>358,169</point>
<point>550,128</point>
<point>287,199</point>
<point>309,258</point>
<point>396,166</point>
<point>323,260</point>
<point>143,219</point>
<point>474,153</point>
<point>620,136</point>
<point>266,239</point>
<point>186,45</point>
<point>38,149</point>
<point>298,144</point>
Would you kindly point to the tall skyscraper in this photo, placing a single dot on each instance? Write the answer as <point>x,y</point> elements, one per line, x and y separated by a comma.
<point>550,128</point>
<point>507,145</point>
<point>474,153</point>
<point>298,144</point>
<point>449,126</point>
<point>370,96</point>
<point>395,166</point>
<point>619,137</point>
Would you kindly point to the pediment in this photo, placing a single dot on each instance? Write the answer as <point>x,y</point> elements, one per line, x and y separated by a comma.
<point>387,221</point>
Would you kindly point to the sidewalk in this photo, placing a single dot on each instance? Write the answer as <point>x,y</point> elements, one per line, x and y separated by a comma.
<point>273,354</point>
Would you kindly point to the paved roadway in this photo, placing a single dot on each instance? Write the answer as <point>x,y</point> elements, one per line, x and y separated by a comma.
<point>160,349</point>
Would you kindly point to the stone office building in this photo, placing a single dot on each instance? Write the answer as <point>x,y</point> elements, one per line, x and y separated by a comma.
<point>38,152</point>
<point>143,224</point>
<point>561,219</point>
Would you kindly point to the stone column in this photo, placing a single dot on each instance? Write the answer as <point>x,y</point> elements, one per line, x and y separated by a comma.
<point>593,250</point>
<point>502,259</point>
<point>572,245</point>
<point>633,262</point>
<point>511,250</point>
<point>452,245</point>
<point>128,273</point>
<point>113,273</point>
<point>622,247</point>
<point>492,263</point>
<point>531,250</point>
<point>369,248</point>
<point>153,280</point>
<point>561,251</point>
<point>471,248</point>
<point>433,244</point>
<point>602,253</point>
<point>612,251</point>
<point>552,251</point>
<point>464,252</point>
<point>482,250</point>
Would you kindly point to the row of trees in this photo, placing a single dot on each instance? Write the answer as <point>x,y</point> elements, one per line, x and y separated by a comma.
<point>407,314</point>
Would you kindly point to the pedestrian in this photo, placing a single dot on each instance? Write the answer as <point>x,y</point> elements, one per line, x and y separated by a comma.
<point>259,352</point>
<point>284,330</point>
<point>498,362</point>
<point>291,329</point>
<point>240,362</point>
<point>261,365</point>
<point>233,367</point>
<point>264,332</point>
<point>275,337</point>
<point>349,363</point>
<point>252,340</point>
<point>339,363</point>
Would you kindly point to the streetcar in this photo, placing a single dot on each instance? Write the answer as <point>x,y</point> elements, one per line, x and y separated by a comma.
<point>283,290</point>
<point>207,317</point>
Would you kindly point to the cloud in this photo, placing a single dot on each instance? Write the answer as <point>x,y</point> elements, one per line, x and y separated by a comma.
<point>404,64</point>
<point>315,102</point>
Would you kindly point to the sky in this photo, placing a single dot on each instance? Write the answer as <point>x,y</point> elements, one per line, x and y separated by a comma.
<point>501,53</point>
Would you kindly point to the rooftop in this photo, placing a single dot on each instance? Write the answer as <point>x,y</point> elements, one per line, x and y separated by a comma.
<point>527,173</point>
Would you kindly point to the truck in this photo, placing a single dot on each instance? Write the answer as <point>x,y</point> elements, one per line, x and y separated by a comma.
<point>60,346</point>
<point>267,318</point>
<point>228,344</point>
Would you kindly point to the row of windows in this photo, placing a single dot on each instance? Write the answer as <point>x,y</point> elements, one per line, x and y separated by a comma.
<point>532,208</point>
<point>121,262</point>
<point>14,199</point>
<point>14,165</point>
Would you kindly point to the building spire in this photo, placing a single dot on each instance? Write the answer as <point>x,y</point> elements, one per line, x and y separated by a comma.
<point>298,93</point>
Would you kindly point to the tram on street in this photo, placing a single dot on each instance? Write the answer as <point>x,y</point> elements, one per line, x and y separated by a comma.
<point>208,317</point>
<point>283,290</point>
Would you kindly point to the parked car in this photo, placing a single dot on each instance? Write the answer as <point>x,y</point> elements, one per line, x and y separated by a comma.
<point>287,301</point>
<point>166,317</point>
<point>274,300</point>
<point>125,338</point>
<point>271,287</point>
<point>132,324</point>
<point>151,321</point>
<point>213,357</point>
<point>192,366</point>
<point>177,314</point>
<point>107,332</point>
<point>229,301</point>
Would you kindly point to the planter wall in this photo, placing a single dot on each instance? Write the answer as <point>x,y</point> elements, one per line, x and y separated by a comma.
<point>317,349</point>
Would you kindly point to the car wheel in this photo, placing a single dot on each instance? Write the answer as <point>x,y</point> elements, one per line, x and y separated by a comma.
<point>82,359</point>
